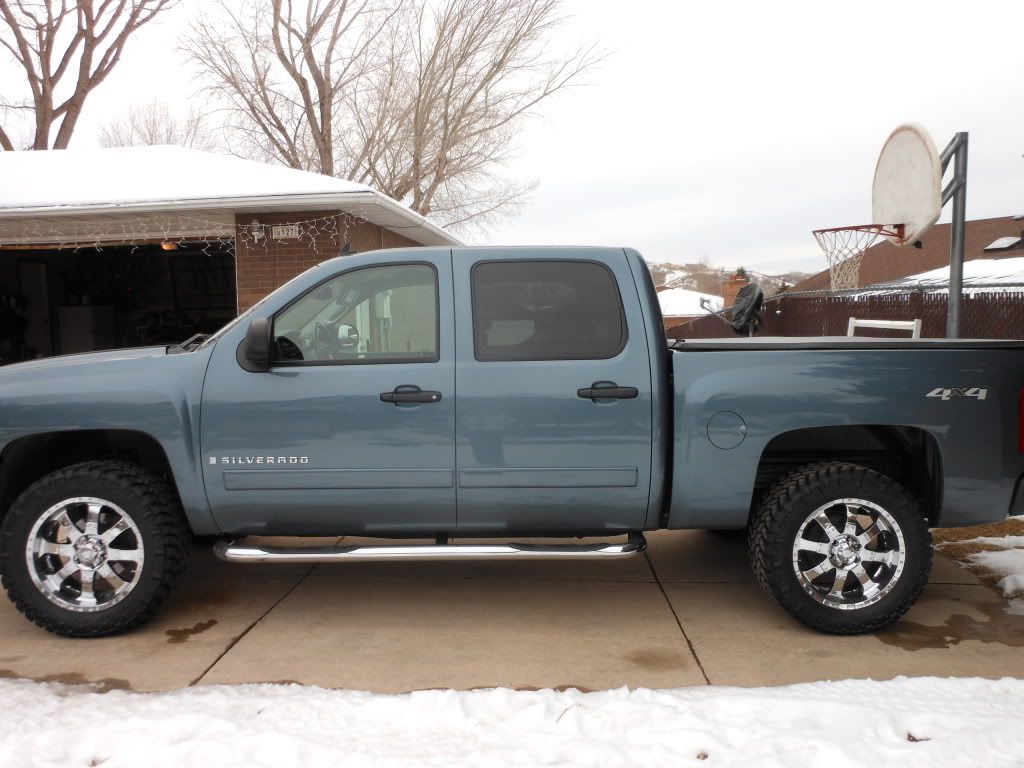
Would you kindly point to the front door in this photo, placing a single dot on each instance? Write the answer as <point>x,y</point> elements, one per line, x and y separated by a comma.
<point>353,428</point>
<point>540,446</point>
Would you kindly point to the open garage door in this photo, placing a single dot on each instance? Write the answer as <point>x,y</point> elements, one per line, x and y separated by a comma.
<point>79,300</point>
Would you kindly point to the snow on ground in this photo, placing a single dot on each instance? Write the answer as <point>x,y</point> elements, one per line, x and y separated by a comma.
<point>1003,542</point>
<point>681,302</point>
<point>856,723</point>
<point>1007,561</point>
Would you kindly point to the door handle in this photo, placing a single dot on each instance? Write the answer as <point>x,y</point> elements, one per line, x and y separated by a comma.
<point>410,393</point>
<point>607,390</point>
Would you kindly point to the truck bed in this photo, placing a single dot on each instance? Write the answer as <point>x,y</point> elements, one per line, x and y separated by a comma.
<point>835,342</point>
<point>738,420</point>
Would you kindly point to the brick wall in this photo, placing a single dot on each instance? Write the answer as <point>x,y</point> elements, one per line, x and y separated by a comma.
<point>730,289</point>
<point>260,268</point>
<point>395,240</point>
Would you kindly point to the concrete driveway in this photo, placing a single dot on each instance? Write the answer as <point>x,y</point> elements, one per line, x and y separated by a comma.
<point>685,613</point>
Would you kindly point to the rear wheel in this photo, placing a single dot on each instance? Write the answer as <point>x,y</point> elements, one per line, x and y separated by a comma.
<point>842,548</point>
<point>93,549</point>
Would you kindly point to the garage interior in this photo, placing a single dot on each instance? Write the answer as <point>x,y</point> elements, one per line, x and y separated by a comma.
<point>63,301</point>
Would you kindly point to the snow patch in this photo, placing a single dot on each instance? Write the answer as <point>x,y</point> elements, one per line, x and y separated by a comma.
<point>680,302</point>
<point>906,722</point>
<point>1009,563</point>
<point>1012,585</point>
<point>1003,542</point>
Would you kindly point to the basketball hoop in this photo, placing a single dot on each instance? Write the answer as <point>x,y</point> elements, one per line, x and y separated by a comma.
<point>844,248</point>
<point>907,188</point>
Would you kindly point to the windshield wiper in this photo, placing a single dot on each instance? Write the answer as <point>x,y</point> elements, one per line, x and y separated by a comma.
<point>188,345</point>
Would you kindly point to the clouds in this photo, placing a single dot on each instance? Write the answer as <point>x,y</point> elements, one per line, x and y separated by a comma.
<point>730,130</point>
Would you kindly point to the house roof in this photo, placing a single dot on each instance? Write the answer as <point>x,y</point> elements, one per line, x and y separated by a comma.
<point>885,262</point>
<point>680,302</point>
<point>143,180</point>
<point>980,276</point>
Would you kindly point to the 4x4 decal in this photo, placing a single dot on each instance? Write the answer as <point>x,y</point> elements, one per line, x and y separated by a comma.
<point>948,393</point>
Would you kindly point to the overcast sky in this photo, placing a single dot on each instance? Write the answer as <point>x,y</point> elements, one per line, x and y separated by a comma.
<point>729,130</point>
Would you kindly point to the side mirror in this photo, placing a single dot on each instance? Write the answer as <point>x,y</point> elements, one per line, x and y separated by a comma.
<point>348,339</point>
<point>255,350</point>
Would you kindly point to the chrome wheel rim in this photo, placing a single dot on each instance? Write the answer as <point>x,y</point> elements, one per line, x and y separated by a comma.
<point>85,554</point>
<point>849,554</point>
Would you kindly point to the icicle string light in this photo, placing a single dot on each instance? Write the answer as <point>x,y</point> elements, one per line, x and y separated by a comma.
<point>208,235</point>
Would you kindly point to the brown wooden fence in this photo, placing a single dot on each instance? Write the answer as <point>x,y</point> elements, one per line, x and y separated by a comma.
<point>983,315</point>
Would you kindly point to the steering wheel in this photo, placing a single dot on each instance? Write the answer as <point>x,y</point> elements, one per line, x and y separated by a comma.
<point>321,335</point>
<point>288,349</point>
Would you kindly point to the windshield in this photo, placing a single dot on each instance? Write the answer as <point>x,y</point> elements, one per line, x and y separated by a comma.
<point>214,338</point>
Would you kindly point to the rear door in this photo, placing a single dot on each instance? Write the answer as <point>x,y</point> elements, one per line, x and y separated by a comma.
<point>553,421</point>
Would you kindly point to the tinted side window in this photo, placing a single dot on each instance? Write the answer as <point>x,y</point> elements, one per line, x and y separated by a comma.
<point>375,315</point>
<point>546,310</point>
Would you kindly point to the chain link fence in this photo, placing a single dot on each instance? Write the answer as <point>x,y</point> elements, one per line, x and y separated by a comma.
<point>987,312</point>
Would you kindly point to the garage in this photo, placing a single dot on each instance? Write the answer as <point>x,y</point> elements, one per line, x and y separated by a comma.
<point>65,301</point>
<point>135,246</point>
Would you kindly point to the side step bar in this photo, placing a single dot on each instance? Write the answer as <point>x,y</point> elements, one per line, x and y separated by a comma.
<point>240,552</point>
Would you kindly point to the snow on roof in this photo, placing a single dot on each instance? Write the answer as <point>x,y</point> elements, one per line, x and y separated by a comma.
<point>1003,243</point>
<point>174,178</point>
<point>980,276</point>
<point>976,271</point>
<point>88,177</point>
<point>680,302</point>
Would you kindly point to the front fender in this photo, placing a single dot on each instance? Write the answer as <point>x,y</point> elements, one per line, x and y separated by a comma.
<point>158,396</point>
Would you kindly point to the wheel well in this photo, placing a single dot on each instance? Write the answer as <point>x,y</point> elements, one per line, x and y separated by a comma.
<point>27,459</point>
<point>908,455</point>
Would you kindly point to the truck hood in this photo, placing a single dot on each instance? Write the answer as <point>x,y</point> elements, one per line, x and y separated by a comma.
<point>63,361</point>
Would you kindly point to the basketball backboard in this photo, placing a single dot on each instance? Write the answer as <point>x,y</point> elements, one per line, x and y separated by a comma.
<point>907,187</point>
<point>907,198</point>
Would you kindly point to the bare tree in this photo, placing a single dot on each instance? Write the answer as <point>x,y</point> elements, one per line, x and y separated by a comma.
<point>478,69</point>
<point>51,39</point>
<point>280,72</point>
<point>422,100</point>
<point>155,123</point>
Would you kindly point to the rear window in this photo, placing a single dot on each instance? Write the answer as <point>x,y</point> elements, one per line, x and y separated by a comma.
<point>546,310</point>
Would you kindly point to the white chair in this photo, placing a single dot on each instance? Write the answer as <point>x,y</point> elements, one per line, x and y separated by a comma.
<point>914,326</point>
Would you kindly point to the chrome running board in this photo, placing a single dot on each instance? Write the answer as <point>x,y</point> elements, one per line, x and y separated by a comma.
<point>240,552</point>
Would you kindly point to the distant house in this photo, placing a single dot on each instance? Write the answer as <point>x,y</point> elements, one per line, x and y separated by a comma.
<point>981,276</point>
<point>105,248</point>
<point>1001,237</point>
<point>679,305</point>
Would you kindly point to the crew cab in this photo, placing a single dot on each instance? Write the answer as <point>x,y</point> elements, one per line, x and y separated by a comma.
<point>439,396</point>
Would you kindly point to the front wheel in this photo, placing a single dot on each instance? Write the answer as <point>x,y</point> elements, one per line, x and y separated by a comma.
<point>93,549</point>
<point>843,549</point>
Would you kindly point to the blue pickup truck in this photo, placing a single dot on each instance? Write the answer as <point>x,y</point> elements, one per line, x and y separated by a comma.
<point>436,397</point>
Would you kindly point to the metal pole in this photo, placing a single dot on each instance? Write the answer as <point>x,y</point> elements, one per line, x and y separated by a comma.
<point>957,190</point>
